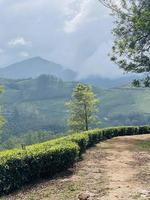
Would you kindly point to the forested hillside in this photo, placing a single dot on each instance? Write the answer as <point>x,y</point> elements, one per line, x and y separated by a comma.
<point>34,104</point>
<point>31,105</point>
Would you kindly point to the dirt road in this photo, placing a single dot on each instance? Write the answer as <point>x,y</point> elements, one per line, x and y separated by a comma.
<point>116,169</point>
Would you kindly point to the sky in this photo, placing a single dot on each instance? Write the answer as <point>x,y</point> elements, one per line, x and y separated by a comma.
<point>73,33</point>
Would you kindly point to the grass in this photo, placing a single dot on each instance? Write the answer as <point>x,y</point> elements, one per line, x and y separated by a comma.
<point>144,145</point>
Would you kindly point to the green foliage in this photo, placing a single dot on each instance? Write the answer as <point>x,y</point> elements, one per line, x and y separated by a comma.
<point>132,35</point>
<point>34,104</point>
<point>2,122</point>
<point>31,137</point>
<point>83,108</point>
<point>136,83</point>
<point>19,167</point>
<point>147,81</point>
<point>81,139</point>
<point>26,110</point>
<point>143,82</point>
<point>144,145</point>
<point>1,89</point>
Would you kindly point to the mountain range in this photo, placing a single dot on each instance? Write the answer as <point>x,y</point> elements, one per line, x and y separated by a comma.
<point>36,66</point>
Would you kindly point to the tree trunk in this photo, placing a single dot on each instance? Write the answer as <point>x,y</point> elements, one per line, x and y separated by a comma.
<point>86,118</point>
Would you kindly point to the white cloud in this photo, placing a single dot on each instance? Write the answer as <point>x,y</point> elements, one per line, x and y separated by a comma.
<point>79,16</point>
<point>19,41</point>
<point>24,54</point>
<point>69,32</point>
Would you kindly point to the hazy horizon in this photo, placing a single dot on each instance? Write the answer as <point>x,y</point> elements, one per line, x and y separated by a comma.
<point>72,33</point>
<point>38,59</point>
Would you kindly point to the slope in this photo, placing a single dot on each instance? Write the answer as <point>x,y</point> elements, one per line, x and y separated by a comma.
<point>34,104</point>
<point>34,67</point>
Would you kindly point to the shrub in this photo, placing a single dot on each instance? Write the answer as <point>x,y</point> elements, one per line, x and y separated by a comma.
<point>19,167</point>
<point>81,139</point>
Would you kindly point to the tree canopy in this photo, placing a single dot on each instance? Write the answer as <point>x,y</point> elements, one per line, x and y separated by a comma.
<point>83,108</point>
<point>131,48</point>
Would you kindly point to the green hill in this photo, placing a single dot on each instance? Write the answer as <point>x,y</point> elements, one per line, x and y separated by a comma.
<point>39,104</point>
<point>34,67</point>
<point>125,106</point>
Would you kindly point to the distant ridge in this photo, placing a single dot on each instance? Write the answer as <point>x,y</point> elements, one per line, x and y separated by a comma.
<point>104,82</point>
<point>34,67</point>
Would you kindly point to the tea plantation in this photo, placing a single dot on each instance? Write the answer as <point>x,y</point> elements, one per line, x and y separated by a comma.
<point>22,166</point>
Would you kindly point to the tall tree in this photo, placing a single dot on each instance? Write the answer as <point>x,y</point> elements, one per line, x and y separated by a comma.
<point>131,49</point>
<point>83,108</point>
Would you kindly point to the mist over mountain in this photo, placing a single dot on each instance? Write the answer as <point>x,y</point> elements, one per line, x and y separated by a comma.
<point>105,82</point>
<point>34,67</point>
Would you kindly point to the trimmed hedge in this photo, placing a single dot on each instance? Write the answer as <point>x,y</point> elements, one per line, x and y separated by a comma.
<point>19,167</point>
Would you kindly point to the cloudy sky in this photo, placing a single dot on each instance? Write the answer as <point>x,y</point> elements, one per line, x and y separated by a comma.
<point>74,33</point>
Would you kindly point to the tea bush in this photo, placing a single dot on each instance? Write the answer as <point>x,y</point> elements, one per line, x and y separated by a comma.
<point>19,167</point>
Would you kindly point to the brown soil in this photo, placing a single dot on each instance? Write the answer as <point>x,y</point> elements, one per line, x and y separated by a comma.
<point>113,170</point>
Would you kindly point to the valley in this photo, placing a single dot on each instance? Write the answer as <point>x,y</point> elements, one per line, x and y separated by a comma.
<point>35,104</point>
